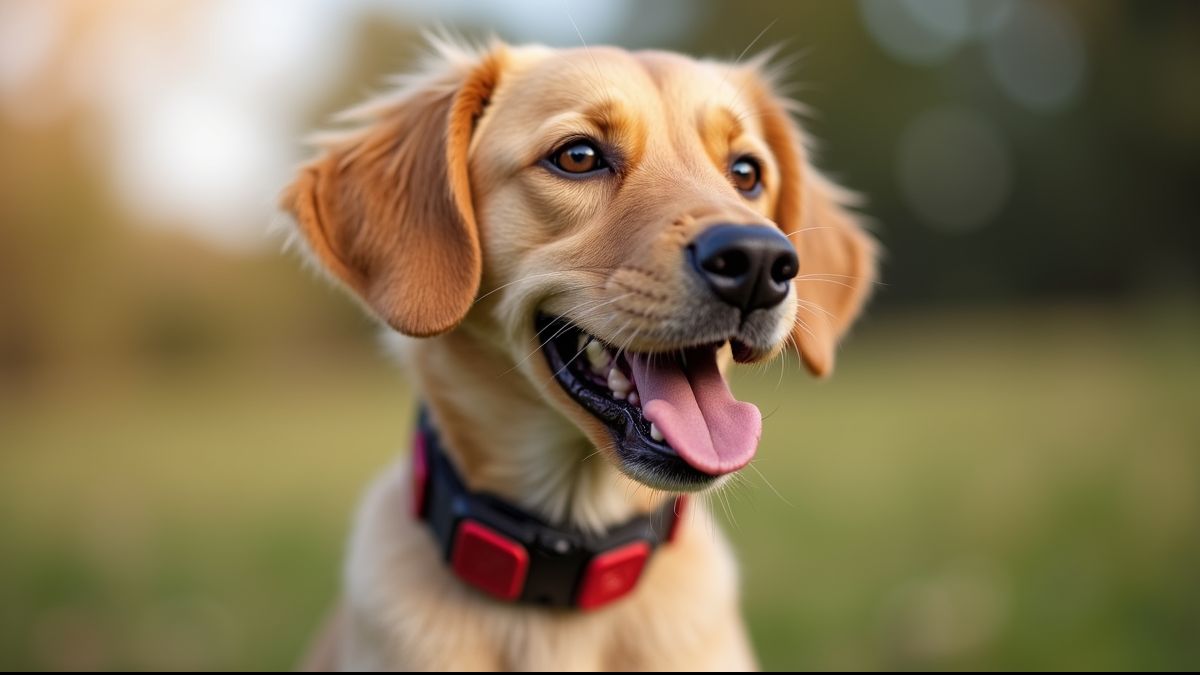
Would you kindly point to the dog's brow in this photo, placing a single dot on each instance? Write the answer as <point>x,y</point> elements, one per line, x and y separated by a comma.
<point>556,128</point>
<point>718,127</point>
<point>607,119</point>
<point>720,120</point>
<point>605,116</point>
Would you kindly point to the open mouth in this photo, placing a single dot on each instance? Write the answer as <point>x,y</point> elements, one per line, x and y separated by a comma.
<point>674,422</point>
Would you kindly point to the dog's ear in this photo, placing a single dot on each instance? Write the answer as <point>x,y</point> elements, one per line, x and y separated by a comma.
<point>387,210</point>
<point>837,257</point>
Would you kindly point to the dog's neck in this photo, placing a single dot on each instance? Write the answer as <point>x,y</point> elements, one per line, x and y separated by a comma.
<point>507,440</point>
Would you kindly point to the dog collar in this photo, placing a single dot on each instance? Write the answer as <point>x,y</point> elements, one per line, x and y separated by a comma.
<point>513,555</point>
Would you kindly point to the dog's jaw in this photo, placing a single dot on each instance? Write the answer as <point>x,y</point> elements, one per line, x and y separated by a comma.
<point>508,440</point>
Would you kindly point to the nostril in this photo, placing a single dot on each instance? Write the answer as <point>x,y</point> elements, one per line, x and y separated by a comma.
<point>727,263</point>
<point>745,266</point>
<point>785,268</point>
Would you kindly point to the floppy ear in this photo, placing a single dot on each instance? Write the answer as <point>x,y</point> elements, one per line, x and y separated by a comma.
<point>837,257</point>
<point>387,209</point>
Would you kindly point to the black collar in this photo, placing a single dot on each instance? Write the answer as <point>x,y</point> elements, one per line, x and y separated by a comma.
<point>516,556</point>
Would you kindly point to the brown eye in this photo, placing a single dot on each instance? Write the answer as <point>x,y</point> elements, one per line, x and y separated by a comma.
<point>578,157</point>
<point>745,174</point>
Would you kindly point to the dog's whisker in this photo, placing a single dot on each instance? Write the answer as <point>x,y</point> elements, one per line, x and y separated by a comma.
<point>720,491</point>
<point>770,485</point>
<point>812,275</point>
<point>812,306</point>
<point>736,489</point>
<point>835,282</point>
<point>624,343</point>
<point>584,348</point>
<point>587,49</point>
<point>583,270</point>
<point>782,365</point>
<point>593,454</point>
<point>811,228</point>
<point>804,327</point>
<point>541,346</point>
<point>744,117</point>
<point>706,503</point>
<point>572,310</point>
<point>632,337</point>
<point>561,330</point>
<point>737,94</point>
<point>730,68</point>
<point>630,341</point>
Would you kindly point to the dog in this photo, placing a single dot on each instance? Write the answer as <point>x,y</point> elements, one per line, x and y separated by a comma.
<point>568,248</point>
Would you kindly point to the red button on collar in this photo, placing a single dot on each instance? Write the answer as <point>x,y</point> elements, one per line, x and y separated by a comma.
<point>420,476</point>
<point>613,574</point>
<point>489,560</point>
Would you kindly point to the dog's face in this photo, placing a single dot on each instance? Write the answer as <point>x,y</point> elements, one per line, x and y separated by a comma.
<point>623,224</point>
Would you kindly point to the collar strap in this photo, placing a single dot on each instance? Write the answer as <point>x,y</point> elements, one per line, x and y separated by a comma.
<point>513,555</point>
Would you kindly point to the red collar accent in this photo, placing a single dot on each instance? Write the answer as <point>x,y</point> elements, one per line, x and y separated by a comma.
<point>513,555</point>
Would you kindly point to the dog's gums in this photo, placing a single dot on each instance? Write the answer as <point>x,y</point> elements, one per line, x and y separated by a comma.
<point>673,422</point>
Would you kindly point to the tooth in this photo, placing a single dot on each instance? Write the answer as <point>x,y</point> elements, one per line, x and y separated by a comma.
<point>619,395</point>
<point>584,340</point>
<point>634,398</point>
<point>597,356</point>
<point>655,433</point>
<point>618,382</point>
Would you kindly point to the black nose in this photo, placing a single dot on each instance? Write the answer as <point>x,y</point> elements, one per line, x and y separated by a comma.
<point>748,267</point>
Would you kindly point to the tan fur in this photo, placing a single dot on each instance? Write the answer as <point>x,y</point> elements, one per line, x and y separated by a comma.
<point>438,216</point>
<point>388,209</point>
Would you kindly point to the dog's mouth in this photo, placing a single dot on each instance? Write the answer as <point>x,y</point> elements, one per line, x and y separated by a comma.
<point>674,422</point>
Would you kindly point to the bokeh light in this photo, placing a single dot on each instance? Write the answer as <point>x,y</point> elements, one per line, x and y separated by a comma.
<point>954,169</point>
<point>1037,56</point>
<point>917,31</point>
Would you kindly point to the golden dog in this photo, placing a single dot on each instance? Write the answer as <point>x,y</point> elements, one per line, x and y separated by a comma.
<point>583,240</point>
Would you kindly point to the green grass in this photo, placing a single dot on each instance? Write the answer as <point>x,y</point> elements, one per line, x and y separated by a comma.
<point>1010,490</point>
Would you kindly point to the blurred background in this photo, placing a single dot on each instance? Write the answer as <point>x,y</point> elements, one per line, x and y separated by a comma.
<point>1003,473</point>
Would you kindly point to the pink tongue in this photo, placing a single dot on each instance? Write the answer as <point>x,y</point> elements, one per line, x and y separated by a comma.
<point>696,412</point>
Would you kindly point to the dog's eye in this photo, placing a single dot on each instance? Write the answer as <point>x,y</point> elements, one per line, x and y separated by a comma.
<point>578,157</point>
<point>746,176</point>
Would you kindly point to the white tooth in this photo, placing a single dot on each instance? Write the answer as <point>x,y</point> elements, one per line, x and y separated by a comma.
<point>618,382</point>
<point>584,340</point>
<point>619,395</point>
<point>597,356</point>
<point>634,398</point>
<point>655,433</point>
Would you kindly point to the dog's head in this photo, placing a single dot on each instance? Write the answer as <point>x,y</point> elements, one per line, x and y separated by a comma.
<point>624,224</point>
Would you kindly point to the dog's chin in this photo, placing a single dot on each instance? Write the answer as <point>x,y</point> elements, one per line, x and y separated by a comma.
<point>603,382</point>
